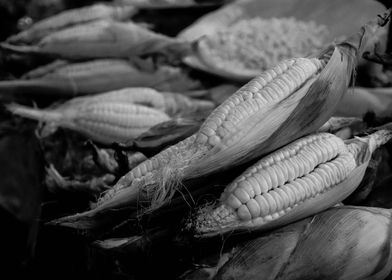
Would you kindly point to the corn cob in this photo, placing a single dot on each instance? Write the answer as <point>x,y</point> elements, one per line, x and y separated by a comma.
<point>102,121</point>
<point>69,18</point>
<point>284,103</point>
<point>171,103</point>
<point>102,39</point>
<point>307,176</point>
<point>351,243</point>
<point>97,76</point>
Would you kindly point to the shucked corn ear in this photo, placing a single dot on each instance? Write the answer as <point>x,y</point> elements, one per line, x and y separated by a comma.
<point>284,103</point>
<point>306,176</point>
<point>350,243</point>
<point>104,121</point>
<point>69,18</point>
<point>102,39</point>
<point>70,79</point>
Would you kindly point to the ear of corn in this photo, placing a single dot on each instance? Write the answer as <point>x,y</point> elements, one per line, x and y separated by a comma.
<point>350,243</point>
<point>102,39</point>
<point>172,104</point>
<point>102,121</point>
<point>301,179</point>
<point>69,18</point>
<point>290,100</point>
<point>97,76</point>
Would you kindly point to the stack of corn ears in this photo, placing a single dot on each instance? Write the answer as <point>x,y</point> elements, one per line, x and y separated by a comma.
<point>301,179</point>
<point>351,243</point>
<point>69,18</point>
<point>291,100</point>
<point>118,116</point>
<point>102,39</point>
<point>61,78</point>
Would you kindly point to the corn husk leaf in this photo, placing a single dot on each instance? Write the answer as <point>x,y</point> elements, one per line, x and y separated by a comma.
<point>165,134</point>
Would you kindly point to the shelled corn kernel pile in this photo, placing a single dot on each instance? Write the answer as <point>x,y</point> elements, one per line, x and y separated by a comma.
<point>171,142</point>
<point>257,44</point>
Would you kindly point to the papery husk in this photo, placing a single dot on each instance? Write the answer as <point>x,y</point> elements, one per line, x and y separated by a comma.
<point>341,243</point>
<point>67,79</point>
<point>103,39</point>
<point>301,113</point>
<point>165,134</point>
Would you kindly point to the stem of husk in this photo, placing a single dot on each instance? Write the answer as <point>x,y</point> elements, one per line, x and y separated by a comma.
<point>381,136</point>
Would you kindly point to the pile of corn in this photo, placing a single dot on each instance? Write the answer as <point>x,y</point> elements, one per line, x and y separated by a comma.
<point>258,43</point>
<point>268,163</point>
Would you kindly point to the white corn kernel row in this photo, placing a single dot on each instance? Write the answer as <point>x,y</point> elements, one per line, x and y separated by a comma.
<point>301,170</point>
<point>287,164</point>
<point>266,90</point>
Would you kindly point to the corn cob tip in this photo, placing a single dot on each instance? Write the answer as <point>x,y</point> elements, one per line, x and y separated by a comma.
<point>213,218</point>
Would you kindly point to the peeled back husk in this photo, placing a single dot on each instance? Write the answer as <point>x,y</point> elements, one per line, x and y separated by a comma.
<point>293,99</point>
<point>299,180</point>
<point>342,243</point>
